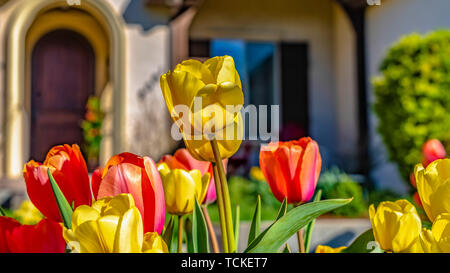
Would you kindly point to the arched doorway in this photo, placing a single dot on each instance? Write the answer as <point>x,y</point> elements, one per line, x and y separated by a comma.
<point>62,79</point>
<point>23,31</point>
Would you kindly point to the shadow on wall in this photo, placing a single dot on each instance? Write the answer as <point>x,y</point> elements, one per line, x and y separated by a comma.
<point>138,12</point>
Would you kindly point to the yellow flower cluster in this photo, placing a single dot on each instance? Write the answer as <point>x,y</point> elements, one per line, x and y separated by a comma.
<point>397,226</point>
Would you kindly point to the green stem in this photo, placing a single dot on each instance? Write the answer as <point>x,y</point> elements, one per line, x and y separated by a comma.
<point>226,196</point>
<point>180,233</point>
<point>220,205</point>
<point>300,239</point>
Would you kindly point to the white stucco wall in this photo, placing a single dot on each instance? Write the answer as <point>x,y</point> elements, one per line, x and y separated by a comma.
<point>385,25</point>
<point>147,122</point>
<point>344,53</point>
<point>301,21</point>
<point>147,118</point>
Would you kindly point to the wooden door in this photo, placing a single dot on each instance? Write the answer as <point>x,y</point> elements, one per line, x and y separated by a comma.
<point>62,79</point>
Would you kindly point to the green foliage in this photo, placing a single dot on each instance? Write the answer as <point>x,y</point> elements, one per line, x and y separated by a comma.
<point>349,189</point>
<point>91,126</point>
<point>64,208</point>
<point>255,227</point>
<point>199,231</point>
<point>337,184</point>
<point>365,243</point>
<point>412,97</point>
<point>273,238</point>
<point>168,234</point>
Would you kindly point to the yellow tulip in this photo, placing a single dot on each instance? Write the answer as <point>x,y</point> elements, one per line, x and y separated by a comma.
<point>111,225</point>
<point>216,85</point>
<point>433,186</point>
<point>28,214</point>
<point>256,173</point>
<point>182,187</point>
<point>327,249</point>
<point>396,226</point>
<point>438,238</point>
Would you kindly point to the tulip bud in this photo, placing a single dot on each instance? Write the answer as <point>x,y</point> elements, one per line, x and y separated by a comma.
<point>138,176</point>
<point>433,186</point>
<point>438,238</point>
<point>69,169</point>
<point>396,226</point>
<point>291,168</point>
<point>182,159</point>
<point>204,99</point>
<point>432,150</point>
<point>181,188</point>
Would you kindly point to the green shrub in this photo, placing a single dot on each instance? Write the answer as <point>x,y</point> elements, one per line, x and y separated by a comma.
<point>337,184</point>
<point>349,189</point>
<point>413,97</point>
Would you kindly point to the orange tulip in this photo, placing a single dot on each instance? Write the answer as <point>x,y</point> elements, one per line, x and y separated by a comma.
<point>45,237</point>
<point>69,169</point>
<point>138,176</point>
<point>432,150</point>
<point>182,159</point>
<point>291,168</point>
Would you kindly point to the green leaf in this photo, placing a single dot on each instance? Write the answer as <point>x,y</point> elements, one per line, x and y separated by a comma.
<point>64,208</point>
<point>199,231</point>
<point>2,212</point>
<point>285,227</point>
<point>255,227</point>
<point>365,243</point>
<point>188,229</point>
<point>283,209</point>
<point>310,227</point>
<point>236,227</point>
<point>287,249</point>
<point>281,213</point>
<point>168,233</point>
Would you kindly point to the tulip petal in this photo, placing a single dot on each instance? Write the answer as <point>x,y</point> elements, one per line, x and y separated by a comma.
<point>87,237</point>
<point>223,69</point>
<point>153,243</point>
<point>40,191</point>
<point>7,225</point>
<point>96,180</point>
<point>153,196</point>
<point>129,235</point>
<point>273,173</point>
<point>179,88</point>
<point>107,226</point>
<point>83,214</point>
<point>197,69</point>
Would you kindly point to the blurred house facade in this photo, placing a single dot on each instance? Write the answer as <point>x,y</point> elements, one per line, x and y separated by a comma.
<point>313,58</point>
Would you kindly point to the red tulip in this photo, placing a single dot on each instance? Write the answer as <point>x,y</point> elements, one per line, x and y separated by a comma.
<point>291,168</point>
<point>45,237</point>
<point>182,159</point>
<point>432,150</point>
<point>417,200</point>
<point>138,176</point>
<point>69,169</point>
<point>412,180</point>
<point>96,179</point>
